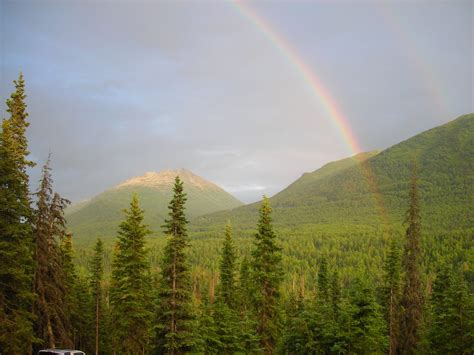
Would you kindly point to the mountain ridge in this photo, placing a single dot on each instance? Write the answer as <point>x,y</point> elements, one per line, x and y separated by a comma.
<point>101,215</point>
<point>346,198</point>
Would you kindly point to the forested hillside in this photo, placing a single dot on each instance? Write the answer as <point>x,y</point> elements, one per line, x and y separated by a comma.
<point>324,272</point>
<point>100,216</point>
<point>370,190</point>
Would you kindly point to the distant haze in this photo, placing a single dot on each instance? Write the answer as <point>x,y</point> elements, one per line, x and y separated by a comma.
<point>117,89</point>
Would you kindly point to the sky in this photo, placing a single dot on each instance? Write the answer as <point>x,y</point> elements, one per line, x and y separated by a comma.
<point>117,89</point>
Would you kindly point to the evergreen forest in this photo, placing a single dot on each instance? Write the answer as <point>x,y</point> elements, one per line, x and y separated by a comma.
<point>316,269</point>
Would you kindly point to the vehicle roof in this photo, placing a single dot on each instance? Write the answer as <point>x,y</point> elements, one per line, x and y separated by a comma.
<point>60,350</point>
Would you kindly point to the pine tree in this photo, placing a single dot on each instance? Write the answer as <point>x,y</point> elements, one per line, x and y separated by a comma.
<point>267,274</point>
<point>227,269</point>
<point>296,335</point>
<point>323,280</point>
<point>391,294</point>
<point>362,321</point>
<point>209,342</point>
<point>452,307</point>
<point>51,311</point>
<point>249,339</point>
<point>335,293</point>
<point>97,271</point>
<point>245,287</point>
<point>16,242</point>
<point>131,283</point>
<point>412,297</point>
<point>175,317</point>
<point>226,317</point>
<point>78,298</point>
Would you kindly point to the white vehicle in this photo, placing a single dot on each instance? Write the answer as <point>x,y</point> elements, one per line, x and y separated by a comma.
<point>61,352</point>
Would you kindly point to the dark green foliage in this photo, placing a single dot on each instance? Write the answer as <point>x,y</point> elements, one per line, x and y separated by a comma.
<point>391,293</point>
<point>267,274</point>
<point>356,325</point>
<point>16,242</point>
<point>227,289</point>
<point>249,339</point>
<point>78,299</point>
<point>52,318</point>
<point>323,280</point>
<point>335,293</point>
<point>82,315</point>
<point>130,290</point>
<point>452,320</point>
<point>97,274</point>
<point>220,329</point>
<point>175,316</point>
<point>209,341</point>
<point>296,336</point>
<point>412,297</point>
<point>245,286</point>
<point>229,330</point>
<point>362,325</point>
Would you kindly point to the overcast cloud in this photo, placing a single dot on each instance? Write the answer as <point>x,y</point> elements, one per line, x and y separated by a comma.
<point>116,89</point>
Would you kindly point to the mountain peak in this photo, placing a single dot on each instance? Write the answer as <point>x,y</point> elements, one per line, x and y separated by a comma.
<point>165,178</point>
<point>154,190</point>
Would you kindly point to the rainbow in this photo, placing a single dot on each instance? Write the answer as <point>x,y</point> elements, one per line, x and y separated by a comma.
<point>320,92</point>
<point>410,47</point>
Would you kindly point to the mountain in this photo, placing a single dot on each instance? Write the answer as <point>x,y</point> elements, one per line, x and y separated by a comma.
<point>101,215</point>
<point>371,189</point>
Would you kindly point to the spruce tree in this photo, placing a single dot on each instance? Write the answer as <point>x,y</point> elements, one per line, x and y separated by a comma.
<point>131,285</point>
<point>245,287</point>
<point>175,315</point>
<point>226,289</point>
<point>226,317</point>
<point>452,307</point>
<point>52,321</point>
<point>412,297</point>
<point>16,242</point>
<point>362,325</point>
<point>335,293</point>
<point>209,340</point>
<point>323,280</point>
<point>267,275</point>
<point>78,298</point>
<point>391,294</point>
<point>296,335</point>
<point>97,272</point>
<point>249,339</point>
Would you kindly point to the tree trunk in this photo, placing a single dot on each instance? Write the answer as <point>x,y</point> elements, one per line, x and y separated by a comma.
<point>97,326</point>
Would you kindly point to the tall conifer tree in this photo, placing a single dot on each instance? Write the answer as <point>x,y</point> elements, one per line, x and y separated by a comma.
<point>391,294</point>
<point>97,271</point>
<point>335,293</point>
<point>229,329</point>
<point>78,298</point>
<point>175,316</point>
<point>131,285</point>
<point>452,324</point>
<point>227,269</point>
<point>364,332</point>
<point>52,323</point>
<point>412,298</point>
<point>267,274</point>
<point>323,280</point>
<point>16,242</point>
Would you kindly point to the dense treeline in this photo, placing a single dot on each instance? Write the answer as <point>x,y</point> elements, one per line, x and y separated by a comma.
<point>275,291</point>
